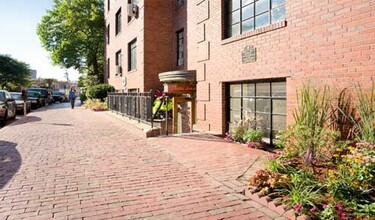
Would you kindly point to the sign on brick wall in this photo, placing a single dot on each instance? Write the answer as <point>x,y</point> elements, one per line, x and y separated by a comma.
<point>249,54</point>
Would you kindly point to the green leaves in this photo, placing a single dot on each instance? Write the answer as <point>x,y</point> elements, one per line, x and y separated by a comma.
<point>13,72</point>
<point>73,31</point>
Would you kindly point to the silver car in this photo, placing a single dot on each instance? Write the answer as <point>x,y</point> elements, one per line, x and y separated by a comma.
<point>20,102</point>
<point>7,106</point>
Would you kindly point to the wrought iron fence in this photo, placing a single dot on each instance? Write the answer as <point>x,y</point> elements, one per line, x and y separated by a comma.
<point>135,105</point>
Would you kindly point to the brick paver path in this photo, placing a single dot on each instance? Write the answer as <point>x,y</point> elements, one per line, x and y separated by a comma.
<point>59,163</point>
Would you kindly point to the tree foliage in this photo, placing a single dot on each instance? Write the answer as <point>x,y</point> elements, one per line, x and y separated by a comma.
<point>73,32</point>
<point>13,73</point>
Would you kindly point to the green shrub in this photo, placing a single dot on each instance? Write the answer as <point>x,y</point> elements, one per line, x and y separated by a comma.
<point>99,91</point>
<point>82,97</point>
<point>252,135</point>
<point>238,131</point>
<point>365,106</point>
<point>96,104</point>
<point>310,136</point>
<point>163,106</point>
<point>237,134</point>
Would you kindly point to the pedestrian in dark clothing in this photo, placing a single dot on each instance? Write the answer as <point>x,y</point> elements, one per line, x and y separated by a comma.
<point>72,96</point>
<point>24,98</point>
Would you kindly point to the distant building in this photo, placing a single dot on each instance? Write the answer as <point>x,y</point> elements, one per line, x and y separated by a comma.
<point>33,74</point>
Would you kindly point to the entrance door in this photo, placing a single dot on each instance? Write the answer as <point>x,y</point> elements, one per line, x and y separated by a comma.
<point>182,115</point>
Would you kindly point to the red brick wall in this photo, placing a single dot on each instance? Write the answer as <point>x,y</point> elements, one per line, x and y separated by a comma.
<point>129,31</point>
<point>157,40</point>
<point>324,42</point>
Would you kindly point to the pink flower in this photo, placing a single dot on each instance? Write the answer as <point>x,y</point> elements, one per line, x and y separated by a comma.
<point>312,209</point>
<point>339,207</point>
<point>325,206</point>
<point>298,208</point>
<point>341,215</point>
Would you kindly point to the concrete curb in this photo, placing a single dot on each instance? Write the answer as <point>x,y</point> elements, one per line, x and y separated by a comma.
<point>268,202</point>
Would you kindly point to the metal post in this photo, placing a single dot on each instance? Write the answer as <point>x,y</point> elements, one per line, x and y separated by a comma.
<point>166,115</point>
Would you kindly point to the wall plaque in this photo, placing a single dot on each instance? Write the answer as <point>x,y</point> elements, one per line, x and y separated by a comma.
<point>249,54</point>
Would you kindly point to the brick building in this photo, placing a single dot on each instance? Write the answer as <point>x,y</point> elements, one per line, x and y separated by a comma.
<point>250,56</point>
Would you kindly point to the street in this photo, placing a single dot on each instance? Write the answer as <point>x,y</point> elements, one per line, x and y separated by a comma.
<point>62,163</point>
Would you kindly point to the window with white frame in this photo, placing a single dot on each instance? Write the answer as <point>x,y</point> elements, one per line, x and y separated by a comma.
<point>180,48</point>
<point>118,21</point>
<point>132,55</point>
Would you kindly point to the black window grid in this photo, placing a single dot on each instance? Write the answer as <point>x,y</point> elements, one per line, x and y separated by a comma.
<point>229,14</point>
<point>270,98</point>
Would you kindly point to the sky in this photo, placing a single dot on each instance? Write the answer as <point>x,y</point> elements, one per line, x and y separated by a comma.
<point>18,38</point>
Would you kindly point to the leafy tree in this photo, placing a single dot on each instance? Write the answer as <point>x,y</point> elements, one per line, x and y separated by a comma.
<point>13,73</point>
<point>73,32</point>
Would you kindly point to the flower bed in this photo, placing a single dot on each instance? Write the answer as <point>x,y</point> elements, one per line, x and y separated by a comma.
<point>326,166</point>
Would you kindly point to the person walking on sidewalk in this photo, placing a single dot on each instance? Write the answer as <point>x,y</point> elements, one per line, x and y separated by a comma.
<point>24,98</point>
<point>72,96</point>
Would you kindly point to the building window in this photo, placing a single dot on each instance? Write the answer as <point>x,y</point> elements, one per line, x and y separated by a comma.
<point>118,21</point>
<point>246,15</point>
<point>108,34</point>
<point>180,3</point>
<point>108,4</point>
<point>108,69</point>
<point>263,101</point>
<point>132,55</point>
<point>118,63</point>
<point>180,48</point>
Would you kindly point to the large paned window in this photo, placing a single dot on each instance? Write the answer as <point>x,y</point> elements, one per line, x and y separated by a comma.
<point>132,55</point>
<point>263,101</point>
<point>118,21</point>
<point>246,15</point>
<point>180,48</point>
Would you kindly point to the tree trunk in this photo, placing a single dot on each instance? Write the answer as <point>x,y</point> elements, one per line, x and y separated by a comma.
<point>96,70</point>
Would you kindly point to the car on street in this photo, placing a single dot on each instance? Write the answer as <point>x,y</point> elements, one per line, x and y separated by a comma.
<point>59,96</point>
<point>44,94</point>
<point>20,102</point>
<point>7,106</point>
<point>35,98</point>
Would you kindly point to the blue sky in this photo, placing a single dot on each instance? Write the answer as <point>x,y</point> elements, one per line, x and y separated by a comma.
<point>18,38</point>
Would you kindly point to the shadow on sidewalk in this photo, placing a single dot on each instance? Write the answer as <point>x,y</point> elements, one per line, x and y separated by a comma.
<point>197,136</point>
<point>10,162</point>
<point>25,119</point>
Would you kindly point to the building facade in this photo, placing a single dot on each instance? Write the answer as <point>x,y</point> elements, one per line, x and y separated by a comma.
<point>250,56</point>
<point>139,42</point>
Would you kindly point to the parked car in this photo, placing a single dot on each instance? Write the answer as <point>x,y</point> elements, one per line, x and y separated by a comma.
<point>20,102</point>
<point>59,96</point>
<point>7,106</point>
<point>45,95</point>
<point>35,98</point>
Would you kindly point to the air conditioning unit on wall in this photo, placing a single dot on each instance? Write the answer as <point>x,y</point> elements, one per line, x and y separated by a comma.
<point>132,10</point>
<point>118,70</point>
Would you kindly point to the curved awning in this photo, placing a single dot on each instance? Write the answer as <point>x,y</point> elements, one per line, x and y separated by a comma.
<point>179,76</point>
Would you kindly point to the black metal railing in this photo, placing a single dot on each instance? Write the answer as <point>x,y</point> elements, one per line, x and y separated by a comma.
<point>134,105</point>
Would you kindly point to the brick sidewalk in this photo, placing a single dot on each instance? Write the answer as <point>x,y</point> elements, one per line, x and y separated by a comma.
<point>59,163</point>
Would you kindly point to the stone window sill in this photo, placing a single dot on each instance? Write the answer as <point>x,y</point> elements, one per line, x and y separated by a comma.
<point>262,30</point>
